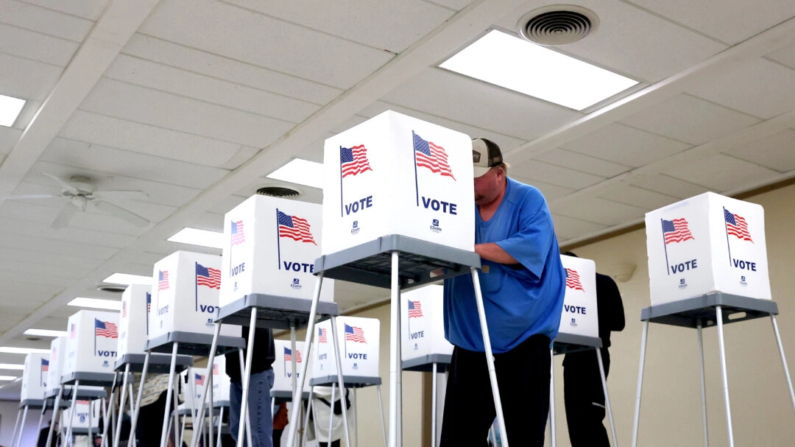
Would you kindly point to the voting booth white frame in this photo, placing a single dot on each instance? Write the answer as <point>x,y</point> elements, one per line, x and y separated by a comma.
<point>698,313</point>
<point>398,263</point>
<point>273,312</point>
<point>570,343</point>
<point>62,393</point>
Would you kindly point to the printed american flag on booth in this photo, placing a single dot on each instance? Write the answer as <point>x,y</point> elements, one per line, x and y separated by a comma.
<point>238,235</point>
<point>321,336</point>
<point>105,329</point>
<point>288,355</point>
<point>123,309</point>
<point>215,369</point>
<point>295,228</point>
<point>148,302</point>
<point>208,277</point>
<point>72,331</point>
<point>432,156</point>
<point>737,226</point>
<point>354,161</point>
<point>162,280</point>
<point>676,231</point>
<point>199,380</point>
<point>415,309</point>
<point>45,365</point>
<point>573,280</point>
<point>354,334</point>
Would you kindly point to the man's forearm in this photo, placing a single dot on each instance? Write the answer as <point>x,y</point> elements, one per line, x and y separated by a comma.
<point>495,253</point>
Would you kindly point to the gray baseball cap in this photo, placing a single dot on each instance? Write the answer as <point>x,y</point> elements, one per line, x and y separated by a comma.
<point>485,155</point>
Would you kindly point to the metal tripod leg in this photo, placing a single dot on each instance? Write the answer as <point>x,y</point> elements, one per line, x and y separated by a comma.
<point>331,409</point>
<point>117,432</point>
<point>210,425</point>
<point>306,418</point>
<point>169,392</point>
<point>220,426</point>
<point>248,415</point>
<point>247,374</point>
<point>55,410</point>
<point>703,384</point>
<point>307,346</point>
<point>73,411</point>
<point>340,381</point>
<point>607,397</point>
<point>783,358</point>
<point>395,369</point>
<point>16,426</point>
<point>730,431</point>
<point>495,389</point>
<point>41,420</point>
<point>210,361</point>
<point>640,383</point>
<point>22,426</point>
<point>433,404</point>
<point>552,428</point>
<point>106,420</point>
<point>137,407</point>
<point>381,410</point>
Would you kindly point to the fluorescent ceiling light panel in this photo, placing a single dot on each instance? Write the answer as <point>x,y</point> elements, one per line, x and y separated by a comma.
<point>12,366</point>
<point>45,333</point>
<point>125,279</point>
<point>9,110</point>
<point>8,377</point>
<point>302,172</point>
<point>516,64</point>
<point>205,238</point>
<point>12,350</point>
<point>96,303</point>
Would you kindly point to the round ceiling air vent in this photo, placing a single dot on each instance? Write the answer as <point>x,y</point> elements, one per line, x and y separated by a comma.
<point>558,25</point>
<point>278,191</point>
<point>112,288</point>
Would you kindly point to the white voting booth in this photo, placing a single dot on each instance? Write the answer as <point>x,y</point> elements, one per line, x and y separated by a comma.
<point>397,206</point>
<point>34,385</point>
<point>707,267</point>
<point>283,370</point>
<point>83,419</point>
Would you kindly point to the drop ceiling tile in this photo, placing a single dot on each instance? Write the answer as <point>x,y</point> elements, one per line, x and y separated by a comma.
<point>32,45</point>
<point>505,142</point>
<point>64,248</point>
<point>583,163</point>
<point>69,270</point>
<point>639,197</point>
<point>227,204</point>
<point>550,192</point>
<point>89,9</point>
<point>631,41</point>
<point>132,164</point>
<point>8,138</point>
<point>263,41</point>
<point>785,55</point>
<point>445,94</point>
<point>145,139</point>
<point>554,175</point>
<point>453,4</point>
<point>20,290</point>
<point>45,21</point>
<point>43,231</point>
<point>392,26</point>
<point>776,152</point>
<point>29,257</point>
<point>757,87</point>
<point>33,278</point>
<point>722,173</point>
<point>600,211</point>
<point>202,62</point>
<point>690,119</point>
<point>180,82</point>
<point>670,186</point>
<point>626,145</point>
<point>26,79</point>
<point>730,22</point>
<point>569,228</point>
<point>23,211</point>
<point>142,105</point>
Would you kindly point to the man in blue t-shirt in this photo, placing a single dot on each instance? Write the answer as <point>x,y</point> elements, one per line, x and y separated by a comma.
<point>523,284</point>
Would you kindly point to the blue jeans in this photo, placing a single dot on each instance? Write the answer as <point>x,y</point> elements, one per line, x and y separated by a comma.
<point>259,407</point>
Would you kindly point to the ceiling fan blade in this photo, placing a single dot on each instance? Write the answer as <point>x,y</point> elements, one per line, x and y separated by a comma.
<point>29,196</point>
<point>121,195</point>
<point>63,184</point>
<point>65,216</point>
<point>121,213</point>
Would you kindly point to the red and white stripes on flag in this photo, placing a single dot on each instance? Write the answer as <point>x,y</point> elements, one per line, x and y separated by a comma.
<point>573,280</point>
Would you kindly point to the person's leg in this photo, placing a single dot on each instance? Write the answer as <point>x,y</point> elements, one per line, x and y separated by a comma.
<point>523,377</point>
<point>468,406</point>
<point>235,397</point>
<point>150,422</point>
<point>277,437</point>
<point>585,400</point>
<point>259,404</point>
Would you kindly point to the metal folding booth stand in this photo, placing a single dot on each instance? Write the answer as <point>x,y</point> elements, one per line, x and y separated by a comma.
<point>399,263</point>
<point>706,311</point>
<point>135,363</point>
<point>63,394</point>
<point>568,343</point>
<point>24,406</point>
<point>272,312</point>
<point>434,364</point>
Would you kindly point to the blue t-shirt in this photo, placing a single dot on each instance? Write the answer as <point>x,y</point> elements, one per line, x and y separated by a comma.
<point>520,300</point>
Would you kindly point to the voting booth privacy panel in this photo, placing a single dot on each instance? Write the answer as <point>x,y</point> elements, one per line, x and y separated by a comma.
<point>92,342</point>
<point>422,322</point>
<point>283,368</point>
<point>221,381</point>
<point>580,315</point>
<point>270,248</point>
<point>358,341</point>
<point>35,376</point>
<point>81,415</point>
<point>134,321</point>
<point>185,295</point>
<point>55,368</point>
<point>394,174</point>
<point>708,243</point>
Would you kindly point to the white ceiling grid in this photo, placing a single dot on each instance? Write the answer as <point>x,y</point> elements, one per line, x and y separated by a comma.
<point>206,97</point>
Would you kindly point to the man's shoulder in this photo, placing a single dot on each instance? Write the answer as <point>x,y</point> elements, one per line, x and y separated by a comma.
<point>525,191</point>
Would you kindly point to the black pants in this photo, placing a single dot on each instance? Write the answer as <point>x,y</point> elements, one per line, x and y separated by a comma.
<point>150,422</point>
<point>523,378</point>
<point>585,399</point>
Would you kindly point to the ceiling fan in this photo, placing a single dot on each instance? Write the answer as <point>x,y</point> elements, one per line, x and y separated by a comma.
<point>80,191</point>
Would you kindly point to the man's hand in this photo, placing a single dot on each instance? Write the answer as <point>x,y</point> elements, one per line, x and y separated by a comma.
<point>493,252</point>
